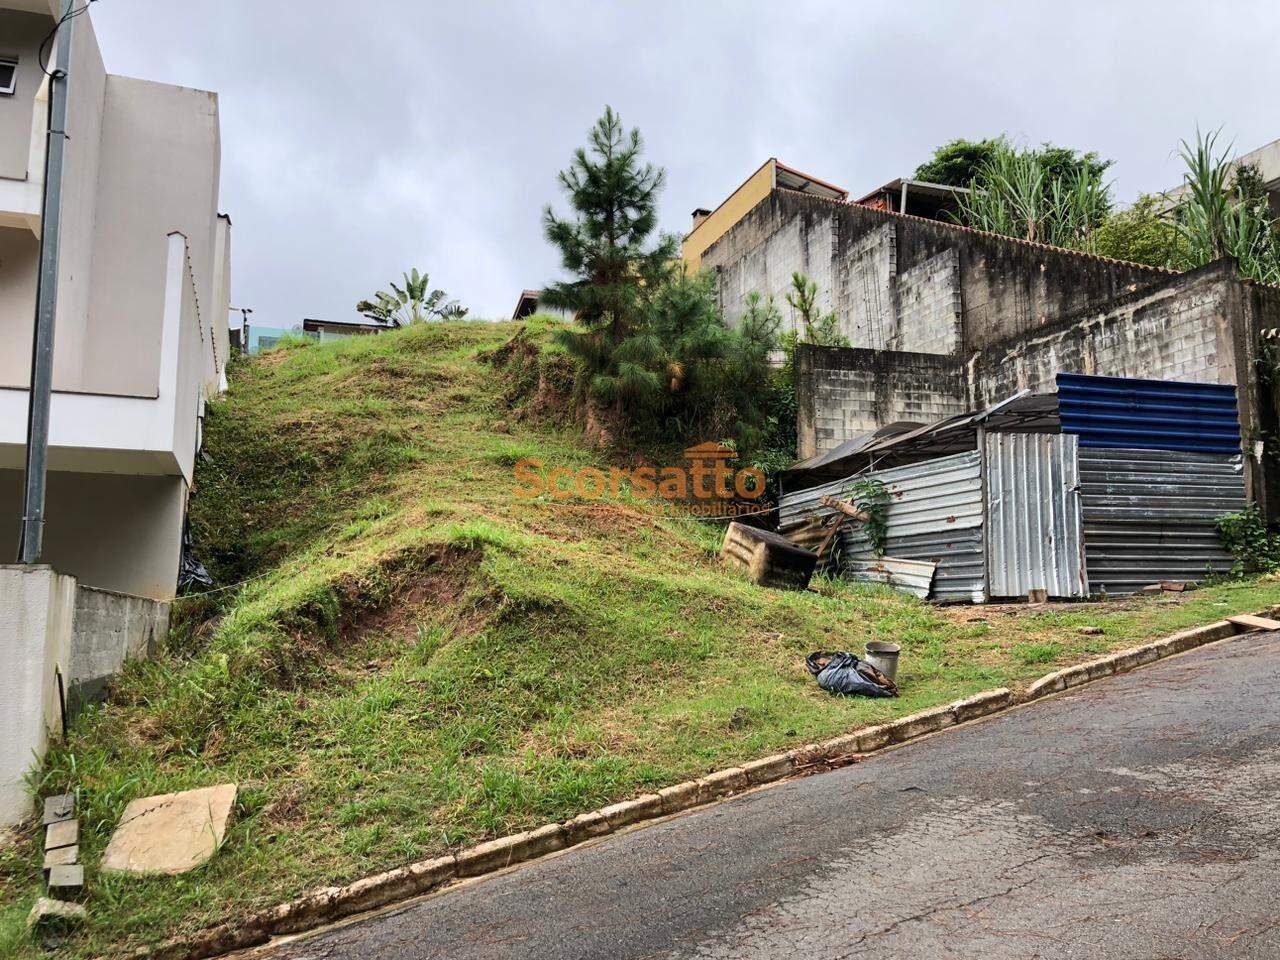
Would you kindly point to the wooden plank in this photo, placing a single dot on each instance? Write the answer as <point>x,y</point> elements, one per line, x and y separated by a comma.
<point>1250,622</point>
<point>843,506</point>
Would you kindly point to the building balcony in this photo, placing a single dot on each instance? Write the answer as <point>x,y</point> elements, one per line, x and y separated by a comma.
<point>141,435</point>
<point>21,201</point>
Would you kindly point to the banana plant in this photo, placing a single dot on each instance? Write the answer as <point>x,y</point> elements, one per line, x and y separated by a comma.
<point>410,303</point>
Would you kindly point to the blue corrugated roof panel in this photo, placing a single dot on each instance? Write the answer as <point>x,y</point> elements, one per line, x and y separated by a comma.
<point>1149,414</point>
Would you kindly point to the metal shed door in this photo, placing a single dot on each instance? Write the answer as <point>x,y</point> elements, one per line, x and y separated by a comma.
<point>1033,509</point>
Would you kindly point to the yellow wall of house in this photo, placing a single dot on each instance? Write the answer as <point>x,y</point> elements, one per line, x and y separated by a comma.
<point>727,214</point>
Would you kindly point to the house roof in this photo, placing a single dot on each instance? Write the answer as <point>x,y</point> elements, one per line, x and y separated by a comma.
<point>361,324</point>
<point>526,304</point>
<point>917,187</point>
<point>793,179</point>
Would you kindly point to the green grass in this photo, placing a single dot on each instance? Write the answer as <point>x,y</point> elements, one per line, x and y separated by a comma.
<point>420,660</point>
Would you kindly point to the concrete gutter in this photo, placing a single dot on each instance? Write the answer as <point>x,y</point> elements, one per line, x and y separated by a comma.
<point>330,904</point>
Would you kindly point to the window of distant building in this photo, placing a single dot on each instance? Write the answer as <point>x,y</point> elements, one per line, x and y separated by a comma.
<point>8,74</point>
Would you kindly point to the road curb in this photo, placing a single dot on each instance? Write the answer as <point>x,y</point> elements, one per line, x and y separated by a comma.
<point>330,904</point>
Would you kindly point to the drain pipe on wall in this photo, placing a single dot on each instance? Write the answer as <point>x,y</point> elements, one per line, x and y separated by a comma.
<point>41,392</point>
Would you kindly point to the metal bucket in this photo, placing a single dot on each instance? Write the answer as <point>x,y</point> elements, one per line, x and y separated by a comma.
<point>883,655</point>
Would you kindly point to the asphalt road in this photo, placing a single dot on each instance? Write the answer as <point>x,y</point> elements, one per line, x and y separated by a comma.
<point>1136,818</point>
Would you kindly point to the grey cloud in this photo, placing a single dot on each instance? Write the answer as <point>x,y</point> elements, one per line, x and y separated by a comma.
<point>360,139</point>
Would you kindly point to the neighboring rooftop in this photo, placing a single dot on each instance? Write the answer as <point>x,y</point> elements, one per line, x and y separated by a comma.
<point>1266,160</point>
<point>920,198</point>
<point>526,304</point>
<point>710,226</point>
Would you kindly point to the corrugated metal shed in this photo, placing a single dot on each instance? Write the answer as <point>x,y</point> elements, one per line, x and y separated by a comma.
<point>1149,414</point>
<point>900,443</point>
<point>1033,516</point>
<point>1149,514</point>
<point>803,504</point>
<point>935,515</point>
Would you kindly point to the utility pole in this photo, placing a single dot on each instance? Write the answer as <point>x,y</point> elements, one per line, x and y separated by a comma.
<point>41,393</point>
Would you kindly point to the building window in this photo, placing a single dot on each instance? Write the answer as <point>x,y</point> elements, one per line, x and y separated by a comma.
<point>8,74</point>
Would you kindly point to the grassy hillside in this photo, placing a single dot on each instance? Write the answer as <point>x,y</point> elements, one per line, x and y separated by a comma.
<point>418,660</point>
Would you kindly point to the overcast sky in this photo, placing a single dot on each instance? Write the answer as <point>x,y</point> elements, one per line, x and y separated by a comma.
<point>364,137</point>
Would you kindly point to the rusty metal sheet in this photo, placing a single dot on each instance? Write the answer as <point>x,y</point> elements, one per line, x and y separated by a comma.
<point>935,515</point>
<point>909,576</point>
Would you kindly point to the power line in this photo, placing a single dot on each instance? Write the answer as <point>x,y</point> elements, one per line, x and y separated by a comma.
<point>46,45</point>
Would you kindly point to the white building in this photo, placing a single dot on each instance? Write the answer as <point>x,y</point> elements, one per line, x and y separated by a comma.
<point>140,345</point>
<point>143,284</point>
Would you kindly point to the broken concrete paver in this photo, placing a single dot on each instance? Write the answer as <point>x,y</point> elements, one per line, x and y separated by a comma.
<point>64,833</point>
<point>50,914</point>
<point>59,807</point>
<point>170,833</point>
<point>66,880</point>
<point>62,856</point>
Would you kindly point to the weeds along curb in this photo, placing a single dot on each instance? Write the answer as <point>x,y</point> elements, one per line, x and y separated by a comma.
<point>330,904</point>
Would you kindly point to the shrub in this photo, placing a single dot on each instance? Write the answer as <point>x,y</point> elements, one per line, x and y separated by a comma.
<point>1246,537</point>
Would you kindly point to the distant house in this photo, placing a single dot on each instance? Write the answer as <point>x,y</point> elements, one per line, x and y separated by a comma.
<point>325,330</point>
<point>919,198</point>
<point>528,304</point>
<point>1266,160</point>
<point>258,337</point>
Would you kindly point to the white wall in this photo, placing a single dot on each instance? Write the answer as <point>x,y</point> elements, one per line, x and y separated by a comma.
<point>110,531</point>
<point>142,161</point>
<point>217,316</point>
<point>20,36</point>
<point>37,613</point>
<point>19,258</point>
<point>159,174</point>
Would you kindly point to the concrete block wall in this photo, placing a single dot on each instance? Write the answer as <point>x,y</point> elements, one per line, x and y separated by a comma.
<point>1180,330</point>
<point>60,643</point>
<point>865,275</point>
<point>895,279</point>
<point>928,315</point>
<point>803,244</point>
<point>110,628</point>
<point>842,392</point>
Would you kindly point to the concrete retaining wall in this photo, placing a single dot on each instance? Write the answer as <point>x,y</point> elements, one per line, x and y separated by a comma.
<point>37,611</point>
<point>878,268</point>
<point>1188,327</point>
<point>59,644</point>
<point>844,392</point>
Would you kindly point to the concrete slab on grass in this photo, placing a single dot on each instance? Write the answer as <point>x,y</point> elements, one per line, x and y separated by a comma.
<point>170,833</point>
<point>64,833</point>
<point>66,880</point>
<point>59,807</point>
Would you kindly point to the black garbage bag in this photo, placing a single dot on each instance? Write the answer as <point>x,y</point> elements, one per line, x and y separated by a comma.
<point>191,572</point>
<point>843,673</point>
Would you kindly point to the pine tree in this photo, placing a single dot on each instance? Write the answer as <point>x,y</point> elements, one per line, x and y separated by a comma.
<point>605,247</point>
